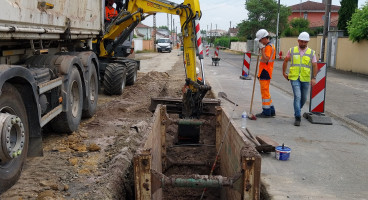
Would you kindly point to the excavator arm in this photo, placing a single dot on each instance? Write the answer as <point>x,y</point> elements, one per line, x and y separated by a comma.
<point>189,13</point>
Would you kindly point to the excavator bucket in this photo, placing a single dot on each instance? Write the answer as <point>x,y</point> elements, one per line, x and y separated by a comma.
<point>189,131</point>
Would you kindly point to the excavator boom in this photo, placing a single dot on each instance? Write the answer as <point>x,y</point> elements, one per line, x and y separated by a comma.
<point>189,12</point>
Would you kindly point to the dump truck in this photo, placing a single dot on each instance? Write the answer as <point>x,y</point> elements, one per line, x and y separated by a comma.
<point>50,73</point>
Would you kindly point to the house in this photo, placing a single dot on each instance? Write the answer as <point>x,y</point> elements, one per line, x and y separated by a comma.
<point>216,33</point>
<point>233,32</point>
<point>143,31</point>
<point>314,12</point>
<point>162,33</point>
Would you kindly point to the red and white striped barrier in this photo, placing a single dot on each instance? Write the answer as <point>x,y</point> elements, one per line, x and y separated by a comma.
<point>198,37</point>
<point>217,50</point>
<point>207,50</point>
<point>317,98</point>
<point>246,65</point>
<point>318,91</point>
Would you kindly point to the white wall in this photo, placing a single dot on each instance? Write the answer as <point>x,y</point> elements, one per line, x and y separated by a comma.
<point>239,46</point>
<point>138,44</point>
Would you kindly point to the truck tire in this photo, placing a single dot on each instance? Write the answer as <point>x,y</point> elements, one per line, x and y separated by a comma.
<point>114,79</point>
<point>90,105</point>
<point>132,73</point>
<point>69,121</point>
<point>11,102</point>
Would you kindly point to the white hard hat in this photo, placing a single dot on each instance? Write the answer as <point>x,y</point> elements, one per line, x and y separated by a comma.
<point>304,36</point>
<point>261,33</point>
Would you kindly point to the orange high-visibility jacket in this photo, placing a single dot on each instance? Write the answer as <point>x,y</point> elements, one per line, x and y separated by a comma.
<point>110,13</point>
<point>266,66</point>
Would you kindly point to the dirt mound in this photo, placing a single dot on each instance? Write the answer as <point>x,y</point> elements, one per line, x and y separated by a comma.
<point>95,161</point>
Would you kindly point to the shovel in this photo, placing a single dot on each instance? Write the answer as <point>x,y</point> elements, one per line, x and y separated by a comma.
<point>261,148</point>
<point>224,96</point>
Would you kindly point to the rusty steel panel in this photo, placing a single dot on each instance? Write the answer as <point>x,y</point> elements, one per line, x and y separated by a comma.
<point>156,144</point>
<point>142,175</point>
<point>251,166</point>
<point>232,156</point>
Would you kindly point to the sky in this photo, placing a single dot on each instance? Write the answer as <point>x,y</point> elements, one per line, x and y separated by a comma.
<point>221,13</point>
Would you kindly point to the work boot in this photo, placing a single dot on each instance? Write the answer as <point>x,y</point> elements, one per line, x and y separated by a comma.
<point>273,111</point>
<point>262,115</point>
<point>297,121</point>
<point>266,113</point>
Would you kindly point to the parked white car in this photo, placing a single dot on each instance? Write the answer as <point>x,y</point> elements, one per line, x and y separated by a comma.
<point>164,44</point>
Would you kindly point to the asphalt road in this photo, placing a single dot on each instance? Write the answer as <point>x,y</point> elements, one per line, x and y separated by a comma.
<point>327,161</point>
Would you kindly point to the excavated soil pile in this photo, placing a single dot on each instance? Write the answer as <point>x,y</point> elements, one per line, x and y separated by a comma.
<point>95,162</point>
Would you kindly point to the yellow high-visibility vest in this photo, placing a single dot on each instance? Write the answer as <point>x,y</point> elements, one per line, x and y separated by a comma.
<point>300,66</point>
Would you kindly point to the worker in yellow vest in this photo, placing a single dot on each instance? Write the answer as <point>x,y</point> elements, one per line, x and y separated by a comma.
<point>303,64</point>
<point>268,55</point>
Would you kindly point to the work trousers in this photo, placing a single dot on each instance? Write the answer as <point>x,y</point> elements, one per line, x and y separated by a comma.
<point>300,90</point>
<point>266,96</point>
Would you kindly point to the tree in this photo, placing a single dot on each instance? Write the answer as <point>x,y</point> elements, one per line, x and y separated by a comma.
<point>163,27</point>
<point>358,25</point>
<point>298,25</point>
<point>347,9</point>
<point>262,14</point>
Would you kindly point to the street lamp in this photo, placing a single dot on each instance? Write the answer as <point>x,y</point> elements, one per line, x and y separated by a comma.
<point>277,28</point>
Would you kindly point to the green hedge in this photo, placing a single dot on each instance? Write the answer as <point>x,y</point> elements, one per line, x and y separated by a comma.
<point>225,41</point>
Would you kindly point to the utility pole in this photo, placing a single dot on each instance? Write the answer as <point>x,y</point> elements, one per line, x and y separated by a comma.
<point>216,32</point>
<point>211,32</point>
<point>172,29</point>
<point>230,36</point>
<point>207,34</point>
<point>277,28</point>
<point>168,22</point>
<point>326,28</point>
<point>154,32</point>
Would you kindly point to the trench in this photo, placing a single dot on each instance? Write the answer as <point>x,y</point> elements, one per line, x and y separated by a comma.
<point>187,159</point>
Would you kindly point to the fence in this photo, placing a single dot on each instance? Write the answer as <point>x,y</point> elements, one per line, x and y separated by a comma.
<point>141,45</point>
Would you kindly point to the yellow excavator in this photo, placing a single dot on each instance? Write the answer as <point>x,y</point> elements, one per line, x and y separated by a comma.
<point>131,14</point>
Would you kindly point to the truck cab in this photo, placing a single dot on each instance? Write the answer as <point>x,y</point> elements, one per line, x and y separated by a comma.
<point>164,44</point>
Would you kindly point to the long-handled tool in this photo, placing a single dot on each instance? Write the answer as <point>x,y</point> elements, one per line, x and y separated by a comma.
<point>250,115</point>
<point>262,148</point>
<point>224,96</point>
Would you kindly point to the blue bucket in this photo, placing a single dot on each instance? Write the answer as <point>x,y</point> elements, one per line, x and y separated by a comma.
<point>282,153</point>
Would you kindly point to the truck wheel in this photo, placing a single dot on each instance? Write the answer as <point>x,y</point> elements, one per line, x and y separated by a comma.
<point>14,141</point>
<point>91,101</point>
<point>132,73</point>
<point>114,79</point>
<point>69,121</point>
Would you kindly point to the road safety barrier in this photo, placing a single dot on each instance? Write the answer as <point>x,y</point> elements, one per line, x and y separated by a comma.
<point>318,97</point>
<point>199,39</point>
<point>207,50</point>
<point>318,91</point>
<point>217,50</point>
<point>246,66</point>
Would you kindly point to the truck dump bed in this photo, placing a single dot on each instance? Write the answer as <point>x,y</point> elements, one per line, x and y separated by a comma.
<point>24,19</point>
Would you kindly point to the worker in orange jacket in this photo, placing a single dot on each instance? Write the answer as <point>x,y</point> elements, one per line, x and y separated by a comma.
<point>110,11</point>
<point>268,55</point>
